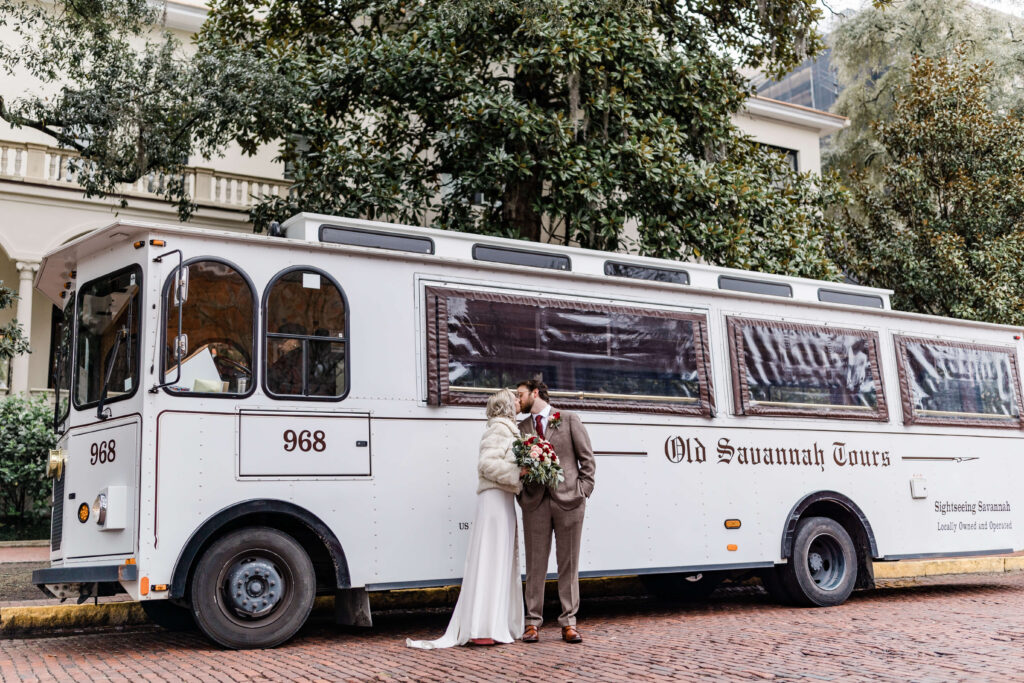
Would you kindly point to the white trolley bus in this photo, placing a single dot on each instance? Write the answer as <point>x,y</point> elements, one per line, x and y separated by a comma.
<point>256,420</point>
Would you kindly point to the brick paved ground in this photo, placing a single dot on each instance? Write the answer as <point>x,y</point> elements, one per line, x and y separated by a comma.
<point>939,629</point>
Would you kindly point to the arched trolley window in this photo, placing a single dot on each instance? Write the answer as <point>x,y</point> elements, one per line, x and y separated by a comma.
<point>305,324</point>
<point>217,340</point>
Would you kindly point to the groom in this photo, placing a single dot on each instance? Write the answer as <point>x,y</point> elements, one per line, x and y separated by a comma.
<point>559,511</point>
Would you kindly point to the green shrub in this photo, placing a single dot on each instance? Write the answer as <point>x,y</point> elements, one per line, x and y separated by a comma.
<point>26,436</point>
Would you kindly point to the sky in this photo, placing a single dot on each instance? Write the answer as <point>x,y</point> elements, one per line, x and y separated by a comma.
<point>835,6</point>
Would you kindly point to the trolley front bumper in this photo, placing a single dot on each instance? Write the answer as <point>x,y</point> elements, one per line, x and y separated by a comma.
<point>87,582</point>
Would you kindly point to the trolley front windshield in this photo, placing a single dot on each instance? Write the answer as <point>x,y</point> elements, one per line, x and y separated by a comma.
<point>108,338</point>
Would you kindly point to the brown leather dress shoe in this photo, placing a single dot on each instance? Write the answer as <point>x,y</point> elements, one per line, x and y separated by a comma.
<point>571,635</point>
<point>530,634</point>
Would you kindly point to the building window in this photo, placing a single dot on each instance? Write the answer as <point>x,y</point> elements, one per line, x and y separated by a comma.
<point>958,383</point>
<point>306,327</point>
<point>788,369</point>
<point>216,342</point>
<point>591,356</point>
<point>790,156</point>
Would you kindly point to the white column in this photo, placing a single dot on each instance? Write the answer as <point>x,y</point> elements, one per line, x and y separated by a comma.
<point>26,276</point>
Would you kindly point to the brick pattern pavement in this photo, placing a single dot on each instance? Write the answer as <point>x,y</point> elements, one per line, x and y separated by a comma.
<point>937,629</point>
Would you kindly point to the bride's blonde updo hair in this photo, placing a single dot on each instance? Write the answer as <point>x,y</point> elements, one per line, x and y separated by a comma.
<point>502,403</point>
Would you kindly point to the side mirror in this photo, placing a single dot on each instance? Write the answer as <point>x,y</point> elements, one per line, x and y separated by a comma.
<point>181,345</point>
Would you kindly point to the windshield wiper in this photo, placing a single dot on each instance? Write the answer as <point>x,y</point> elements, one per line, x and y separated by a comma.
<point>121,334</point>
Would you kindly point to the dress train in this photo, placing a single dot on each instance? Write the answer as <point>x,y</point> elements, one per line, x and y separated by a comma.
<point>490,602</point>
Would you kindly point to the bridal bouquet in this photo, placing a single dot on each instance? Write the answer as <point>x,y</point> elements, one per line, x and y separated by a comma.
<point>539,459</point>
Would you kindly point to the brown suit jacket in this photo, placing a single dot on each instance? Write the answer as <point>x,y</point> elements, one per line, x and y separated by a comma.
<point>572,446</point>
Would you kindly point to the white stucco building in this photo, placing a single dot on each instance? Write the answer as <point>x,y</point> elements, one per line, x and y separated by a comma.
<point>42,207</point>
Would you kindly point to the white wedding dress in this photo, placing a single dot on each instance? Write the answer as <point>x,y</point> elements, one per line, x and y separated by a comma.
<point>490,603</point>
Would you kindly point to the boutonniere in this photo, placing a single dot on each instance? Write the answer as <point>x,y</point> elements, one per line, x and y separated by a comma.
<point>554,420</point>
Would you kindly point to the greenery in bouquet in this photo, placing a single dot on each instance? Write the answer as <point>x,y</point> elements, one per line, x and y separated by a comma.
<point>541,463</point>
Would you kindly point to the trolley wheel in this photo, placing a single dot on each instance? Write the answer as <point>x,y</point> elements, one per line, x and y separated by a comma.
<point>168,615</point>
<point>774,584</point>
<point>253,588</point>
<point>823,568</point>
<point>683,587</point>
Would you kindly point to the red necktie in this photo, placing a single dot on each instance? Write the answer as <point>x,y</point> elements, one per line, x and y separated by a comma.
<point>540,425</point>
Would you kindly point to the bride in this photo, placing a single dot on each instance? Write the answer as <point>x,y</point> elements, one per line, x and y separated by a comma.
<point>490,605</point>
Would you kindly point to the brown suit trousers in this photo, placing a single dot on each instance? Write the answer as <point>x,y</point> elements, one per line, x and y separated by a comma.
<point>559,512</point>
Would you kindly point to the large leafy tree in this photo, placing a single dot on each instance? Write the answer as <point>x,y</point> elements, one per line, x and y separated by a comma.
<point>942,221</point>
<point>873,53</point>
<point>541,119</point>
<point>106,82</point>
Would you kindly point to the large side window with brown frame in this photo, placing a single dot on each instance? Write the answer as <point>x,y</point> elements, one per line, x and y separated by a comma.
<point>591,356</point>
<point>958,383</point>
<point>791,369</point>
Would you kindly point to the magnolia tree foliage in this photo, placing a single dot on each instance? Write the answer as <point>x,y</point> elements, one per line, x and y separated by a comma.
<point>12,338</point>
<point>107,83</point>
<point>537,119</point>
<point>942,223</point>
<point>873,53</point>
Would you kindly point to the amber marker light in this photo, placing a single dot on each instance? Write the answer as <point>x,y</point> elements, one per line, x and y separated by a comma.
<point>732,524</point>
<point>144,585</point>
<point>140,244</point>
<point>83,513</point>
<point>160,588</point>
<point>130,560</point>
<point>158,243</point>
<point>732,547</point>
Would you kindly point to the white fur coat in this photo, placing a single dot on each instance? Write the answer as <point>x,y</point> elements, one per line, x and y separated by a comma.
<point>497,465</point>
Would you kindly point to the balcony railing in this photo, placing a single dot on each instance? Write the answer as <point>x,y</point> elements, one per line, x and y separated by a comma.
<point>208,187</point>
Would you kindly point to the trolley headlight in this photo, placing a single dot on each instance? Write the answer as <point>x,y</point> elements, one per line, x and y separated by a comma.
<point>111,508</point>
<point>99,509</point>
<point>55,464</point>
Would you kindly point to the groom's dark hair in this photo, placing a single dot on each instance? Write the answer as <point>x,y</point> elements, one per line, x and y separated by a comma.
<point>542,389</point>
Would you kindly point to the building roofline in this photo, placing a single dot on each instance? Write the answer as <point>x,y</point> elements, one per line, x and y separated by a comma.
<point>185,15</point>
<point>822,121</point>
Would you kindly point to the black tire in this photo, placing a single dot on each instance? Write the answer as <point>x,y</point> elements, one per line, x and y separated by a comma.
<point>253,588</point>
<point>823,568</point>
<point>775,585</point>
<point>681,587</point>
<point>168,615</point>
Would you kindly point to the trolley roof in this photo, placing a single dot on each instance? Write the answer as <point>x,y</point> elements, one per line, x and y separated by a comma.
<point>390,240</point>
<point>374,236</point>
